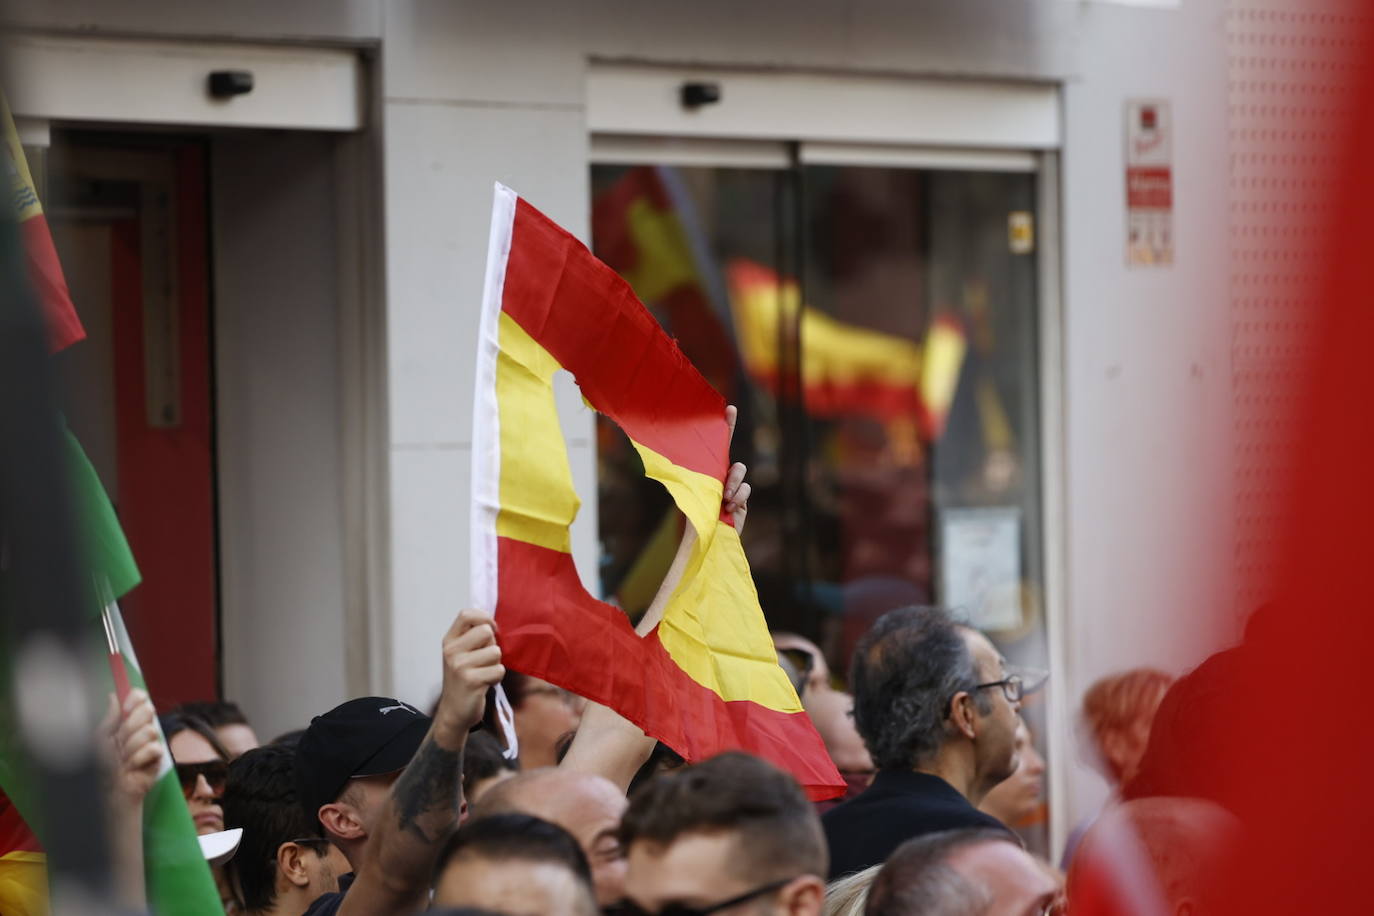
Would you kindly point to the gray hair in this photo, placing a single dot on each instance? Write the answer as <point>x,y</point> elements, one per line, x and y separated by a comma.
<point>906,670</point>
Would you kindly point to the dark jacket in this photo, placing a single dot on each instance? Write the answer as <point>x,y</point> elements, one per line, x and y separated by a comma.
<point>898,805</point>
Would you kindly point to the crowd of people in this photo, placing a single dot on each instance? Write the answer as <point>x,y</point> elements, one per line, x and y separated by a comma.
<point>377,807</point>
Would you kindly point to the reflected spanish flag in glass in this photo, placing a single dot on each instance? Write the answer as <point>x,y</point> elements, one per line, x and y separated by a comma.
<point>706,679</point>
<point>847,369</point>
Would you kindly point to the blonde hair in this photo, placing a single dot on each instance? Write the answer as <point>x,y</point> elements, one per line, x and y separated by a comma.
<point>1118,701</point>
<point>849,895</point>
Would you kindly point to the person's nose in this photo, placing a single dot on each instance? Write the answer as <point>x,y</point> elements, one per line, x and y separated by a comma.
<point>203,789</point>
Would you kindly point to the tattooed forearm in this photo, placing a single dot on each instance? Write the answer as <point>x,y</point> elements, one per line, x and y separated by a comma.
<point>427,796</point>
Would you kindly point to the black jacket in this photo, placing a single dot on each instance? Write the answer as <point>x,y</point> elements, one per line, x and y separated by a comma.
<point>898,805</point>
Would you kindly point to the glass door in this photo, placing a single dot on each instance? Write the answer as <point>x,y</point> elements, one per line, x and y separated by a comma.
<point>877,327</point>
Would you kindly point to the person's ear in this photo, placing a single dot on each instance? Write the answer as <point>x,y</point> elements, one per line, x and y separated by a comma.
<point>290,865</point>
<point>964,715</point>
<point>340,820</point>
<point>804,896</point>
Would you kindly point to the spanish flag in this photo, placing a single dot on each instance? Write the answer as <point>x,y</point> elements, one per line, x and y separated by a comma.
<point>706,678</point>
<point>847,369</point>
<point>45,272</point>
<point>23,866</point>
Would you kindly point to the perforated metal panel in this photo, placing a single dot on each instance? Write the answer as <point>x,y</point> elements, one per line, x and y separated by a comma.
<point>1290,64</point>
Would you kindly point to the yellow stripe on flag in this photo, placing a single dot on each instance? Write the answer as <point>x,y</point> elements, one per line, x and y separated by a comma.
<point>24,197</point>
<point>538,500</point>
<point>24,884</point>
<point>712,632</point>
<point>718,639</point>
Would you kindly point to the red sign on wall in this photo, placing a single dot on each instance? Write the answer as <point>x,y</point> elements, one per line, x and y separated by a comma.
<point>1149,183</point>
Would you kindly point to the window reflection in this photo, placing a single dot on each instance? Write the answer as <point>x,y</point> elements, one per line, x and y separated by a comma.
<point>877,329</point>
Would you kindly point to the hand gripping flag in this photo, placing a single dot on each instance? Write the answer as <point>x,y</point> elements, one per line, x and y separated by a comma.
<point>706,678</point>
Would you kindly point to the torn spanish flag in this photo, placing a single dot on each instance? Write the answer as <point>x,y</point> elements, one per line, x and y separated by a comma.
<point>706,678</point>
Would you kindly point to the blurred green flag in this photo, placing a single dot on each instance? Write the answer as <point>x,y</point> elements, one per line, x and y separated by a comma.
<point>105,549</point>
<point>178,879</point>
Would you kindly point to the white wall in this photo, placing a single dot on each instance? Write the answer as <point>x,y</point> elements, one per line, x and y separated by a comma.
<point>277,403</point>
<point>454,125</point>
<point>1148,360</point>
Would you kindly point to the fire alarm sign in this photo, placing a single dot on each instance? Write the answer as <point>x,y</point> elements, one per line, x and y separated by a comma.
<point>1149,183</point>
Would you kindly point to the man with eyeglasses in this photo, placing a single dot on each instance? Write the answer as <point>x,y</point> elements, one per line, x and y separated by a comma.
<point>938,708</point>
<point>282,864</point>
<point>731,835</point>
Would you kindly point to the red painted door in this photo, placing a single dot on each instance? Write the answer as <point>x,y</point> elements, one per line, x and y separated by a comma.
<point>146,202</point>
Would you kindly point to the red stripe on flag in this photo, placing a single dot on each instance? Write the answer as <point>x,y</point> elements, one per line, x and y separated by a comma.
<point>590,321</point>
<point>552,629</point>
<point>15,835</point>
<point>49,285</point>
<point>699,330</point>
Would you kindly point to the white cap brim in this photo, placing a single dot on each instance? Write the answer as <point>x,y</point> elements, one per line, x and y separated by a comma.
<point>219,848</point>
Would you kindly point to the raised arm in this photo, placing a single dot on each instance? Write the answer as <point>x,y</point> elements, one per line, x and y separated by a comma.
<point>422,809</point>
<point>607,743</point>
<point>135,753</point>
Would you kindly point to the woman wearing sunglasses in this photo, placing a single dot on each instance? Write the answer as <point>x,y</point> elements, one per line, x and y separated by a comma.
<point>202,766</point>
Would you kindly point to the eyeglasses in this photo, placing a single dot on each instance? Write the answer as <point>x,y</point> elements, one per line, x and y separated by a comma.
<point>802,660</point>
<point>630,908</point>
<point>1015,686</point>
<point>216,773</point>
<point>1012,687</point>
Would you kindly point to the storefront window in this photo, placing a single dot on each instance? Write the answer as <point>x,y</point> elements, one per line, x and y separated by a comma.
<point>877,328</point>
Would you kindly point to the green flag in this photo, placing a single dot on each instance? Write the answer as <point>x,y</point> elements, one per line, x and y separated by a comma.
<point>178,879</point>
<point>104,548</point>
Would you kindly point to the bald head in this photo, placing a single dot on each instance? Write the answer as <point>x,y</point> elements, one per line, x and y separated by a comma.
<point>587,806</point>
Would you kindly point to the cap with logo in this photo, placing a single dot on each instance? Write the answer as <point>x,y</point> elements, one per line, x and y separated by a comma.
<point>369,736</point>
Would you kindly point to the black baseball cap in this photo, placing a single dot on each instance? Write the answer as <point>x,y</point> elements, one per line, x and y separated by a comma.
<point>369,736</point>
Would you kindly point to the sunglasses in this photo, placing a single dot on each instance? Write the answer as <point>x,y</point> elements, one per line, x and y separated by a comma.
<point>216,773</point>
<point>800,659</point>
<point>630,908</point>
